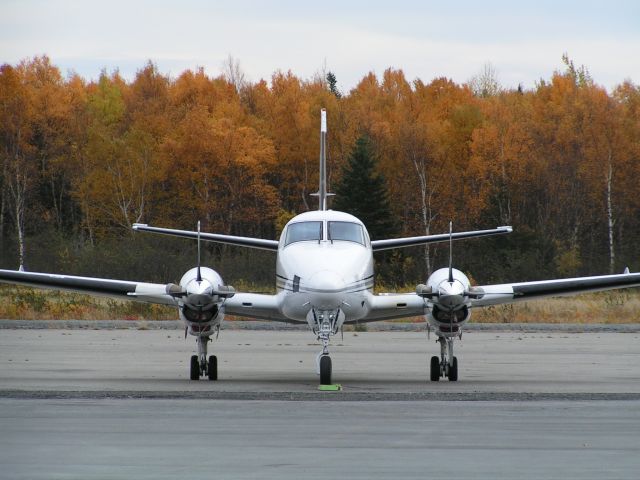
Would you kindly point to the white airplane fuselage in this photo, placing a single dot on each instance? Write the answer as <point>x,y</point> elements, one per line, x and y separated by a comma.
<point>325,273</point>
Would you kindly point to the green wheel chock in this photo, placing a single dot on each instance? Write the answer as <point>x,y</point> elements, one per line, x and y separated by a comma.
<point>330,388</point>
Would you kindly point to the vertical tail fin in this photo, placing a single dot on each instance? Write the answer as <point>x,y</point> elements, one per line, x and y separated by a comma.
<point>199,277</point>
<point>450,252</point>
<point>322,188</point>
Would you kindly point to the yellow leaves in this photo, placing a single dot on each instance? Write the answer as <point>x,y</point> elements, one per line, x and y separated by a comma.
<point>220,167</point>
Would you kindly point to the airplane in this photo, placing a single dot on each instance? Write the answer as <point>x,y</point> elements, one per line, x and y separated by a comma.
<point>325,279</point>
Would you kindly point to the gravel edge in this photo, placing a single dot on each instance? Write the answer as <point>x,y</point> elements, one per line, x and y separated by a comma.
<point>341,396</point>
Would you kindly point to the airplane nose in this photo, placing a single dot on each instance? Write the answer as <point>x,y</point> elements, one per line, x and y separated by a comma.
<point>326,290</point>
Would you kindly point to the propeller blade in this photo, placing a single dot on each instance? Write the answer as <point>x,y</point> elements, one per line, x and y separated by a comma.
<point>175,290</point>
<point>425,291</point>
<point>224,291</point>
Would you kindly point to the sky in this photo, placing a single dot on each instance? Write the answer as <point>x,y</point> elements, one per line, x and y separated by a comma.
<point>523,41</point>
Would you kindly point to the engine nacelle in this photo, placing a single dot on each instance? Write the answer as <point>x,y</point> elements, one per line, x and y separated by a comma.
<point>450,301</point>
<point>202,301</point>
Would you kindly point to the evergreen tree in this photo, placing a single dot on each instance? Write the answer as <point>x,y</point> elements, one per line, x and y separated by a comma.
<point>333,84</point>
<point>362,191</point>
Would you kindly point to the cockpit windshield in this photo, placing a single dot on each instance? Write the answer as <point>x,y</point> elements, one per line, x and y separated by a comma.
<point>351,232</point>
<point>301,231</point>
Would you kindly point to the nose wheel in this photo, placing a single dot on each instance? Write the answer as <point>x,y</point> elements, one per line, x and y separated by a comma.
<point>325,370</point>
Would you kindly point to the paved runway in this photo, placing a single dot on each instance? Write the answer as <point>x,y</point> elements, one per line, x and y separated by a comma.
<point>77,404</point>
<point>205,439</point>
<point>270,364</point>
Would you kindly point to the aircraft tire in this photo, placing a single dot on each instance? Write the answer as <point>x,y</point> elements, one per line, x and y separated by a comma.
<point>435,368</point>
<point>195,368</point>
<point>213,367</point>
<point>453,370</point>
<point>325,370</point>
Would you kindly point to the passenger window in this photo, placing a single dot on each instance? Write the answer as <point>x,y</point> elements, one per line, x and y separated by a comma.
<point>351,232</point>
<point>303,231</point>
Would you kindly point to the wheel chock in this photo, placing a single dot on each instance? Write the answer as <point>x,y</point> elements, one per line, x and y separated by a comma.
<point>330,388</point>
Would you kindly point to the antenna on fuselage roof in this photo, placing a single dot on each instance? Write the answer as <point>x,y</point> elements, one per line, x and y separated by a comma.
<point>322,188</point>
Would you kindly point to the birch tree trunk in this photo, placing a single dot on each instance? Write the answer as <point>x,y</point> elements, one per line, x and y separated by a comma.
<point>18,191</point>
<point>610,221</point>
<point>3,201</point>
<point>425,206</point>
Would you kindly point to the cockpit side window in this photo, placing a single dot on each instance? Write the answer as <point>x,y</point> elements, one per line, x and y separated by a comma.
<point>349,231</point>
<point>303,231</point>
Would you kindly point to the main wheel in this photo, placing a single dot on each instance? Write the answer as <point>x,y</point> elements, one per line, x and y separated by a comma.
<point>435,368</point>
<point>453,370</point>
<point>195,368</point>
<point>325,370</point>
<point>213,367</point>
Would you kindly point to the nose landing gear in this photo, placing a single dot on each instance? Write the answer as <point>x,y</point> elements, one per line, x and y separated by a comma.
<point>325,324</point>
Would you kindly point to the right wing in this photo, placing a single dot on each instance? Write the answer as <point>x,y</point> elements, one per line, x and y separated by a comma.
<point>377,245</point>
<point>212,237</point>
<point>123,290</point>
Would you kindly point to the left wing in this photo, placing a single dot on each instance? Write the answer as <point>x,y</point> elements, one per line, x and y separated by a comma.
<point>514,292</point>
<point>123,290</point>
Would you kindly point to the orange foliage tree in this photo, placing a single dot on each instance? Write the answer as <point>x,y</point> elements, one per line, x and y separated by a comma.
<point>561,162</point>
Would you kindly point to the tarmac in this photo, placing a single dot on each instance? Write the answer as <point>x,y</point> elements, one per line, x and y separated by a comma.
<point>117,403</point>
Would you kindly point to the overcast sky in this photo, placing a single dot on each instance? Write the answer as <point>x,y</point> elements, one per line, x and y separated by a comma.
<point>523,40</point>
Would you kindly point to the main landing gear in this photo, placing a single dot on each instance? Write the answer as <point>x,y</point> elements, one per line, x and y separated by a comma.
<point>447,364</point>
<point>199,364</point>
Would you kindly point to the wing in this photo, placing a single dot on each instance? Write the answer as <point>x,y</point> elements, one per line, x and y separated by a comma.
<point>139,291</point>
<point>256,305</point>
<point>514,292</point>
<point>377,245</point>
<point>388,306</point>
<point>212,237</point>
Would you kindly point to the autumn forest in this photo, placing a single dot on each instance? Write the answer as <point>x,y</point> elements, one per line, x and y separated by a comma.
<point>80,161</point>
